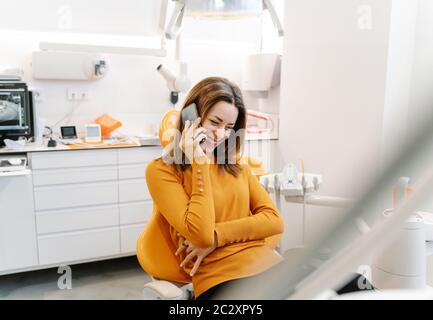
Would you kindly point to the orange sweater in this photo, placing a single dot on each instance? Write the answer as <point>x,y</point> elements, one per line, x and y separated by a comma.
<point>238,209</point>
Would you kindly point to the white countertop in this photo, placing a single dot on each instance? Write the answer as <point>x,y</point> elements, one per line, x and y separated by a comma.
<point>141,142</point>
<point>32,147</point>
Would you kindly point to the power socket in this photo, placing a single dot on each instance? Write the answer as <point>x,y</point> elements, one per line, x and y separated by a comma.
<point>77,95</point>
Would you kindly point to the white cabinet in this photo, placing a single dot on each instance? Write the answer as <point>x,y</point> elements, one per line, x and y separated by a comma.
<point>75,206</point>
<point>73,159</point>
<point>74,175</point>
<point>97,199</point>
<point>64,220</point>
<point>133,190</point>
<point>75,195</point>
<point>70,247</point>
<point>138,155</point>
<point>17,223</point>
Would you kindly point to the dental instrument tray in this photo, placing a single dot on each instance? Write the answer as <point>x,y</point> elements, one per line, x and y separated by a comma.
<point>13,163</point>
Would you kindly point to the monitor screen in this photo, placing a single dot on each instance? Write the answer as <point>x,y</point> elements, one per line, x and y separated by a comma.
<point>93,132</point>
<point>15,114</point>
<point>68,132</point>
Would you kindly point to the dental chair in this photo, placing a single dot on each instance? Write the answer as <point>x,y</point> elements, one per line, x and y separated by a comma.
<point>172,282</point>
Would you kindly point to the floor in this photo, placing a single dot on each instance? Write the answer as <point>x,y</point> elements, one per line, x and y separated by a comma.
<point>112,279</point>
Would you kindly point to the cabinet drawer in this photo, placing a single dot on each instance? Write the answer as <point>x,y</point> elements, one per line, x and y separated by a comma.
<point>77,219</point>
<point>133,190</point>
<point>88,194</point>
<point>129,236</point>
<point>138,212</point>
<point>132,171</point>
<point>73,175</point>
<point>73,158</point>
<point>68,247</point>
<point>139,155</point>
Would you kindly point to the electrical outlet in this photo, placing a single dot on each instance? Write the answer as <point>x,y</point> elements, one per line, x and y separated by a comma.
<point>84,95</point>
<point>77,94</point>
<point>71,95</point>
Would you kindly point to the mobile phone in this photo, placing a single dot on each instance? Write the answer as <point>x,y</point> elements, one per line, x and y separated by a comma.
<point>190,113</point>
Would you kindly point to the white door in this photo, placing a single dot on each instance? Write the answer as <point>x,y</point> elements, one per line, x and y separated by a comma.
<point>17,223</point>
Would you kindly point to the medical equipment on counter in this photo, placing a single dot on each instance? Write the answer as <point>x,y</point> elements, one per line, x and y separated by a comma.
<point>92,133</point>
<point>68,132</point>
<point>69,135</point>
<point>51,143</point>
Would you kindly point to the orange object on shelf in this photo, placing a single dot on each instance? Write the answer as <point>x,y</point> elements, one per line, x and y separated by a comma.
<point>108,125</point>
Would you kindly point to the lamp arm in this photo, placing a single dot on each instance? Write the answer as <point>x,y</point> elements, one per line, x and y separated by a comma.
<point>268,4</point>
<point>174,25</point>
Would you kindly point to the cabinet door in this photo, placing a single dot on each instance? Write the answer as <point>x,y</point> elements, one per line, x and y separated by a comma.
<point>76,195</point>
<point>129,236</point>
<point>72,159</point>
<point>138,155</point>
<point>17,223</point>
<point>81,245</point>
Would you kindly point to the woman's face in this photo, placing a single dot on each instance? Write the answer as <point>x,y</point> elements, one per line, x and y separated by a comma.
<point>218,122</point>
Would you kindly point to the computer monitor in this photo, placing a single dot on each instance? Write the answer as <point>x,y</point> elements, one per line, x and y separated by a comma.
<point>16,111</point>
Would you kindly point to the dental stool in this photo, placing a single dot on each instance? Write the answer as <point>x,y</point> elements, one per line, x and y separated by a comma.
<point>172,283</point>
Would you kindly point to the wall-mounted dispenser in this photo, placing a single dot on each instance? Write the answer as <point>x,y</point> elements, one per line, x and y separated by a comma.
<point>261,72</point>
<point>63,65</point>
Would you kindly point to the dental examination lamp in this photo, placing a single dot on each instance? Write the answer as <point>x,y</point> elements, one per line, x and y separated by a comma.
<point>217,9</point>
<point>175,84</point>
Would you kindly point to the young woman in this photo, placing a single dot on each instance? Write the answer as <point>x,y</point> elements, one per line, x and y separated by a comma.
<point>210,216</point>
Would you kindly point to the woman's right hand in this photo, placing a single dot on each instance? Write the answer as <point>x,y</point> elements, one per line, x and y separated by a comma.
<point>190,141</point>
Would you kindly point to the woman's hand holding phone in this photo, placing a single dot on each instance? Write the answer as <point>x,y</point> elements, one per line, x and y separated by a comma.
<point>190,140</point>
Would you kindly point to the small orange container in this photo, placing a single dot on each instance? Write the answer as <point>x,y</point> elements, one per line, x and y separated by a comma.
<point>108,125</point>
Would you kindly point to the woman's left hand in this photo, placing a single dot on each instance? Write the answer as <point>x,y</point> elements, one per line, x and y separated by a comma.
<point>193,252</point>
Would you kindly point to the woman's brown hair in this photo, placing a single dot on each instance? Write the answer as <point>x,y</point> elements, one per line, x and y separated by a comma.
<point>205,94</point>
